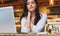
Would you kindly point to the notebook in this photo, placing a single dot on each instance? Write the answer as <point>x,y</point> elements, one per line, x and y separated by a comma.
<point>7,20</point>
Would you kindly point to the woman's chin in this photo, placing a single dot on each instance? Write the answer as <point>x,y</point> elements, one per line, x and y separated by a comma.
<point>31,10</point>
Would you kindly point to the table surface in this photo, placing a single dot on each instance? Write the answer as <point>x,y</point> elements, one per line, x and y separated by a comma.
<point>4,34</point>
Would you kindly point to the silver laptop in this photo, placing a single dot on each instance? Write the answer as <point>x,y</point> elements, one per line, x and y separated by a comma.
<point>7,21</point>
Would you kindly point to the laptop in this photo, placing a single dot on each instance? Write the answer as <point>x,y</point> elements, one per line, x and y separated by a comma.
<point>7,21</point>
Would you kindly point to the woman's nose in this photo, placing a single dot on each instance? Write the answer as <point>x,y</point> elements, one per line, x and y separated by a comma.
<point>30,4</point>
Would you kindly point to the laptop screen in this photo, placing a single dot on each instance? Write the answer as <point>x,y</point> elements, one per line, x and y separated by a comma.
<point>7,21</point>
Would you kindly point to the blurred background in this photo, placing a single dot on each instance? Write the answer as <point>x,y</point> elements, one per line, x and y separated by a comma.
<point>49,7</point>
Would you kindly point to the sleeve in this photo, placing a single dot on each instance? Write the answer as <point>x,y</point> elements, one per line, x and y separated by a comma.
<point>41,23</point>
<point>23,29</point>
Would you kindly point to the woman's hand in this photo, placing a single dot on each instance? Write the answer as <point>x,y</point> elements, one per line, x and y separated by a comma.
<point>28,17</point>
<point>32,25</point>
<point>27,24</point>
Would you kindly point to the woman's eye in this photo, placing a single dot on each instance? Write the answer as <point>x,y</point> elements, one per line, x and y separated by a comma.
<point>27,3</point>
<point>32,2</point>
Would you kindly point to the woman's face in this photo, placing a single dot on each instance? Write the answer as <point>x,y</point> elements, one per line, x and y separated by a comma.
<point>31,5</point>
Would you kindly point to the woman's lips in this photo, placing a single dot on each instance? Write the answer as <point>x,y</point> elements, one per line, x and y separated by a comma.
<point>31,7</point>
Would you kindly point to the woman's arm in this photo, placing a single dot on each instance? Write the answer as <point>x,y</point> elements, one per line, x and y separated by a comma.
<point>23,24</point>
<point>41,23</point>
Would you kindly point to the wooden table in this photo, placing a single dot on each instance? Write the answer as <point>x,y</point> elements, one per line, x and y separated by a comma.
<point>29,35</point>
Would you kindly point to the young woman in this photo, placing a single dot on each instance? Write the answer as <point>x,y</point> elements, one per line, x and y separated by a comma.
<point>32,20</point>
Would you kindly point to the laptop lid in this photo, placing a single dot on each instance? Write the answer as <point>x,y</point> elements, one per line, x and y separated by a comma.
<point>7,21</point>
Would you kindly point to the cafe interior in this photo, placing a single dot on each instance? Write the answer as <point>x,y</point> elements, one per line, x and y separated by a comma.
<point>49,7</point>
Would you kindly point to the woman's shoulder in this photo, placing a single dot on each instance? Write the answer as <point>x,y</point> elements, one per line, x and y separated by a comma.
<point>24,18</point>
<point>43,15</point>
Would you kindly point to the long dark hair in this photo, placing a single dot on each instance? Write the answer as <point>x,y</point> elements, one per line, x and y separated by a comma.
<point>25,12</point>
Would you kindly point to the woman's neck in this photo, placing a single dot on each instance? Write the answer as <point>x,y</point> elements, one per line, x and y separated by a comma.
<point>32,13</point>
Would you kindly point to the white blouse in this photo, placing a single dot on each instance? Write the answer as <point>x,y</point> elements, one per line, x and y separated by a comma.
<point>36,28</point>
